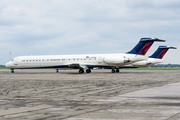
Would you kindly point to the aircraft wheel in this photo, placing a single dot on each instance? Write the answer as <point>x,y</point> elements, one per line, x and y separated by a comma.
<point>57,70</point>
<point>113,71</point>
<point>12,71</point>
<point>117,70</point>
<point>88,71</point>
<point>81,71</point>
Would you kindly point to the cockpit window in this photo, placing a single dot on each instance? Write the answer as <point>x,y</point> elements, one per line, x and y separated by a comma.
<point>12,60</point>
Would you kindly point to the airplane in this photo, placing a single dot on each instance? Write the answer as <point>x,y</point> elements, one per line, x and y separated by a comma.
<point>84,61</point>
<point>155,58</point>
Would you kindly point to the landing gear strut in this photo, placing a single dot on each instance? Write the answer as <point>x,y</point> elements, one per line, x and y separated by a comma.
<point>57,70</point>
<point>12,70</point>
<point>88,71</point>
<point>81,71</point>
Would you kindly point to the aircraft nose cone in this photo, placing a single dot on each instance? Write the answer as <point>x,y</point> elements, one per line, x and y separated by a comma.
<point>6,65</point>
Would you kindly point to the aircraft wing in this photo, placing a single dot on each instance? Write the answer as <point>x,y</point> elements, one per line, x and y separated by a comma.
<point>78,65</point>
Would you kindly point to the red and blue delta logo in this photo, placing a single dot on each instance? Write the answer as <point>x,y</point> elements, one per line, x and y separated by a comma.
<point>145,48</point>
<point>161,55</point>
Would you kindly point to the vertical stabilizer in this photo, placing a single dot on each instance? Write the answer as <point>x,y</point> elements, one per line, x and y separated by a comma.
<point>143,46</point>
<point>161,51</point>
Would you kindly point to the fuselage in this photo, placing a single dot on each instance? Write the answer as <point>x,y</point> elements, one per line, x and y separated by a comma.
<point>67,61</point>
<point>85,61</point>
<point>146,63</point>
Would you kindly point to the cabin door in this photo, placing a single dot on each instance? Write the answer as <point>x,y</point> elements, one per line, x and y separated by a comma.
<point>15,62</point>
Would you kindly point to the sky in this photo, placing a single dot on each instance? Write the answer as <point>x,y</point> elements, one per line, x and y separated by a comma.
<point>59,27</point>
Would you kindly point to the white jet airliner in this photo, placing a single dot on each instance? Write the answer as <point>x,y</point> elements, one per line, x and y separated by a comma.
<point>155,58</point>
<point>86,61</point>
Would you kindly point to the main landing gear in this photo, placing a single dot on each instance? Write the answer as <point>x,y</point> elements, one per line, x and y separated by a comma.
<point>115,71</point>
<point>82,71</point>
<point>57,70</point>
<point>88,71</point>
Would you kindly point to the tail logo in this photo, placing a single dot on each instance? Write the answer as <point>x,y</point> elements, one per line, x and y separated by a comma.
<point>145,48</point>
<point>161,55</point>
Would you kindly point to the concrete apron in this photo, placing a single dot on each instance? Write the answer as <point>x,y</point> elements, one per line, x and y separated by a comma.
<point>156,103</point>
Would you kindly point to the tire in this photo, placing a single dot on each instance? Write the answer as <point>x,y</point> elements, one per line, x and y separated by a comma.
<point>117,70</point>
<point>88,71</point>
<point>113,71</point>
<point>81,71</point>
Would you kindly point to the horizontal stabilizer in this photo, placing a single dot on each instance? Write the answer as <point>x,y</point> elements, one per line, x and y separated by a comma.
<point>152,39</point>
<point>167,47</point>
<point>161,51</point>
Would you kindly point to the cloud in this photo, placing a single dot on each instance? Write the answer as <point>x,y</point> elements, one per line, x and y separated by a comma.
<point>71,27</point>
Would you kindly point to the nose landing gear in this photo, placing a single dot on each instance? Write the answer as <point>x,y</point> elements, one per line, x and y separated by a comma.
<point>12,70</point>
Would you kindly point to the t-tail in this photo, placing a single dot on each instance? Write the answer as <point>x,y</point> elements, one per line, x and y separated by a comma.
<point>161,51</point>
<point>143,46</point>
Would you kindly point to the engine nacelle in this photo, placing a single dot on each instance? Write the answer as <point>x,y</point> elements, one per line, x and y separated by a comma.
<point>116,60</point>
<point>150,61</point>
<point>141,63</point>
